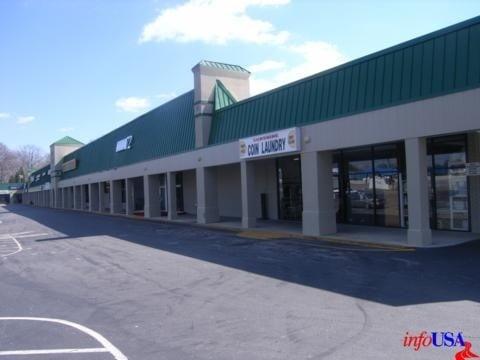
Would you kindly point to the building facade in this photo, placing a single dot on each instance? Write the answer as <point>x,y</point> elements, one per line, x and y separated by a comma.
<point>11,193</point>
<point>389,140</point>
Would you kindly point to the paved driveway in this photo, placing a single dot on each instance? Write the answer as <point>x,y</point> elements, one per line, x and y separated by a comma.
<point>160,291</point>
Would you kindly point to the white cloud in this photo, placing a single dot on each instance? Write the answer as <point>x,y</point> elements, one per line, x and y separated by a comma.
<point>267,65</point>
<point>315,56</point>
<point>4,115</point>
<point>132,104</point>
<point>25,119</point>
<point>214,22</point>
<point>66,129</point>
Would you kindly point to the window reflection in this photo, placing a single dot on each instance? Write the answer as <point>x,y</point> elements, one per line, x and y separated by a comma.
<point>448,183</point>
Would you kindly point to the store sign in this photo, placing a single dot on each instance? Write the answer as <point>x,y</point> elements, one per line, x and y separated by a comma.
<point>69,165</point>
<point>472,169</point>
<point>124,144</point>
<point>278,142</point>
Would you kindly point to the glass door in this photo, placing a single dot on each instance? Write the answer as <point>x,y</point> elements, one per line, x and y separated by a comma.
<point>387,185</point>
<point>367,185</point>
<point>360,190</point>
<point>289,188</point>
<point>448,183</point>
<point>163,193</point>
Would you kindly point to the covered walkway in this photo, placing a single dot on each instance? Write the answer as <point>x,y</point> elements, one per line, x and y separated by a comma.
<point>274,229</point>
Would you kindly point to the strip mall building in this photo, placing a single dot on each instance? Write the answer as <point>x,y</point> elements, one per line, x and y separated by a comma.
<point>388,140</point>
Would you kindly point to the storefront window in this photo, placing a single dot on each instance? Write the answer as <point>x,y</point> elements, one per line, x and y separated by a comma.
<point>360,188</point>
<point>163,193</point>
<point>449,208</point>
<point>387,185</point>
<point>368,185</point>
<point>289,188</point>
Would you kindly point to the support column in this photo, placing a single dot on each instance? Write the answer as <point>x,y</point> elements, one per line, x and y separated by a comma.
<point>419,232</point>
<point>207,202</point>
<point>52,198</point>
<point>129,197</point>
<point>93,197</point>
<point>71,198</point>
<point>76,197</point>
<point>101,196</point>
<point>115,196</point>
<point>64,197</point>
<point>58,198</point>
<point>171,196</point>
<point>247,178</point>
<point>151,189</point>
<point>474,181</point>
<point>318,217</point>
<point>82,197</point>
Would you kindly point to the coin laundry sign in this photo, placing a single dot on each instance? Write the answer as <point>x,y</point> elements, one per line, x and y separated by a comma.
<point>277,142</point>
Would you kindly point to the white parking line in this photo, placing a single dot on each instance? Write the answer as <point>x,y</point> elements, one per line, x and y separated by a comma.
<point>52,351</point>
<point>7,243</point>
<point>22,233</point>
<point>107,345</point>
<point>30,235</point>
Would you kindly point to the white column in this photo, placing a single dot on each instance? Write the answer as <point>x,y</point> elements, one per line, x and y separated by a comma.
<point>64,197</point>
<point>247,179</point>
<point>419,232</point>
<point>76,197</point>
<point>207,201</point>
<point>171,196</point>
<point>318,217</point>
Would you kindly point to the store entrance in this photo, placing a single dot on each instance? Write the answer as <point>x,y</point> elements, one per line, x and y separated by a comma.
<point>449,204</point>
<point>289,182</point>
<point>368,185</point>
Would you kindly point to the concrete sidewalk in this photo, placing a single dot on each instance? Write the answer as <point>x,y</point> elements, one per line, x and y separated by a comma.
<point>273,229</point>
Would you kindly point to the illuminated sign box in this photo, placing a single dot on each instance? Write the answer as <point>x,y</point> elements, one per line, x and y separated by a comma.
<point>274,143</point>
<point>69,165</point>
<point>124,144</point>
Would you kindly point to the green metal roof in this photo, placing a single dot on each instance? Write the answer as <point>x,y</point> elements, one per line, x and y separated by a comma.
<point>67,140</point>
<point>436,64</point>
<point>223,66</point>
<point>166,130</point>
<point>223,97</point>
<point>40,176</point>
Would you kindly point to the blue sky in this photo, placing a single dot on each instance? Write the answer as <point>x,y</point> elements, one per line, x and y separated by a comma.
<point>83,68</point>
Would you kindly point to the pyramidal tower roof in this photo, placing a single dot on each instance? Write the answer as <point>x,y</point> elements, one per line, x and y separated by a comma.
<point>67,140</point>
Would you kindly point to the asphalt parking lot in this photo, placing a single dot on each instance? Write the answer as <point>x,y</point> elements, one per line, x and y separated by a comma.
<point>75,285</point>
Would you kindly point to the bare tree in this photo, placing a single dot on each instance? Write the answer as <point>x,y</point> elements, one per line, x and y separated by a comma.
<point>8,163</point>
<point>31,157</point>
<point>16,165</point>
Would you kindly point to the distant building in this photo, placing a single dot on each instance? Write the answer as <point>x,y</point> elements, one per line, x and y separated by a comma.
<point>11,193</point>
